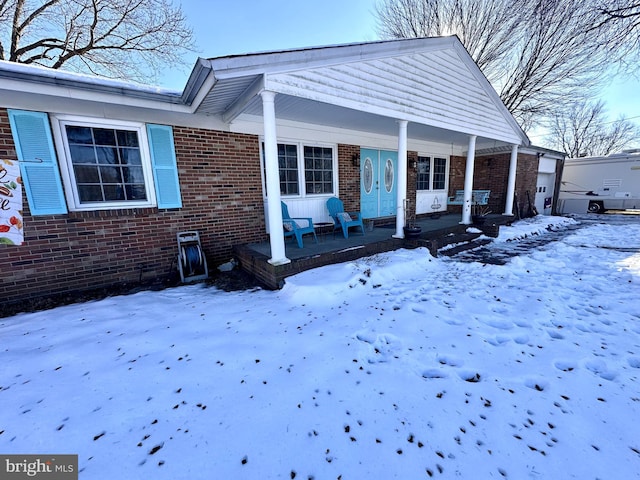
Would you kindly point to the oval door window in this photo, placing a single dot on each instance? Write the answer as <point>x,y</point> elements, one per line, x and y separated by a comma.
<point>388,175</point>
<point>367,175</point>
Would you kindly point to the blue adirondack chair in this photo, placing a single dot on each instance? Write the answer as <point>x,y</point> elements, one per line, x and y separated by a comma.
<point>341,219</point>
<point>296,227</point>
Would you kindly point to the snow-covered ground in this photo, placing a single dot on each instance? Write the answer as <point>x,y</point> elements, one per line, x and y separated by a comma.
<point>395,366</point>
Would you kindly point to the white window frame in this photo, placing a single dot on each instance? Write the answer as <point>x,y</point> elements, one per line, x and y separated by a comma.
<point>301,170</point>
<point>432,159</point>
<point>58,123</point>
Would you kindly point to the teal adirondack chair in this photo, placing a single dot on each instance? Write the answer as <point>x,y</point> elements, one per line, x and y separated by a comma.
<point>296,227</point>
<point>341,219</point>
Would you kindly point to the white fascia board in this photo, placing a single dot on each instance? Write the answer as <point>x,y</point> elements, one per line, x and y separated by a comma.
<point>111,111</point>
<point>609,159</point>
<point>51,90</point>
<point>542,152</point>
<point>313,57</point>
<point>44,75</point>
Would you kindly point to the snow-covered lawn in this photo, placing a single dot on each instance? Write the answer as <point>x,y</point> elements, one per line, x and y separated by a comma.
<point>395,366</point>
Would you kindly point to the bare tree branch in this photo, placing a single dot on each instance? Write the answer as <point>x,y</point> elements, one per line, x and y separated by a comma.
<point>129,39</point>
<point>538,54</point>
<point>583,130</point>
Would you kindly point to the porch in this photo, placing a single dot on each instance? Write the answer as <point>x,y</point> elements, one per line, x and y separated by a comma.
<point>437,232</point>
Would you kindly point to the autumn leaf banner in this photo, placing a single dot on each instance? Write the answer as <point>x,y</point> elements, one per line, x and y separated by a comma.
<point>11,232</point>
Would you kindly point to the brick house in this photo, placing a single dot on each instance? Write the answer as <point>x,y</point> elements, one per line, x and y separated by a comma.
<point>112,170</point>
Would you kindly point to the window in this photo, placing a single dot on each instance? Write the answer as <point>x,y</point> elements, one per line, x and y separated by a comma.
<point>288,165</point>
<point>314,175</point>
<point>424,173</point>
<point>439,173</point>
<point>105,165</point>
<point>318,169</point>
<point>432,173</point>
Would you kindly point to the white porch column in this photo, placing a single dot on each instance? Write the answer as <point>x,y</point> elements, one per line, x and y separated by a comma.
<point>402,177</point>
<point>468,181</point>
<point>511,184</point>
<point>274,211</point>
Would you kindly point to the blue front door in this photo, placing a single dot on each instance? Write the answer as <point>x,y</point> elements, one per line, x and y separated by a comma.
<point>378,185</point>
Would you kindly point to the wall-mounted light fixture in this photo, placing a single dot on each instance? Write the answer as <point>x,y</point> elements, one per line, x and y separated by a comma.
<point>355,159</point>
<point>413,164</point>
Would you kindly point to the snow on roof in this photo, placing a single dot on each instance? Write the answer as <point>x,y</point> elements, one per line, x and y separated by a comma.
<point>37,73</point>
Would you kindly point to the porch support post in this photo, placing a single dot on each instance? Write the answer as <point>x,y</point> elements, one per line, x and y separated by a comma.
<point>402,177</point>
<point>511,184</point>
<point>468,181</point>
<point>274,211</point>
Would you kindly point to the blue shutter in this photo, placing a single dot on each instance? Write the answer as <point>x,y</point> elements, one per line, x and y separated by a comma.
<point>165,167</point>
<point>38,164</point>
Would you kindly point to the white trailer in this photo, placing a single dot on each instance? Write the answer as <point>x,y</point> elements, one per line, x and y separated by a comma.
<point>598,184</point>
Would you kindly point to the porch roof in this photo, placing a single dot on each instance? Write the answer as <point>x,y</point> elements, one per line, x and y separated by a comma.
<point>431,82</point>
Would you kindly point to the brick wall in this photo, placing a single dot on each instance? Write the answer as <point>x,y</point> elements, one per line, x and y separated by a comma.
<point>491,172</point>
<point>222,199</point>
<point>349,177</point>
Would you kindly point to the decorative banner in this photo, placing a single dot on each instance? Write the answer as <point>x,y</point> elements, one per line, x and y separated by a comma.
<point>10,203</point>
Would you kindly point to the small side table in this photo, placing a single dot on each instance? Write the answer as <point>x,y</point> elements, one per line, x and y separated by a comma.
<point>322,228</point>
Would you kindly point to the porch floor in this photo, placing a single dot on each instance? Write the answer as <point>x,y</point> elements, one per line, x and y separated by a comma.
<point>437,231</point>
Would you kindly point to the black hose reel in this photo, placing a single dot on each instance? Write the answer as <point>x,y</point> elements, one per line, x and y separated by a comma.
<point>192,262</point>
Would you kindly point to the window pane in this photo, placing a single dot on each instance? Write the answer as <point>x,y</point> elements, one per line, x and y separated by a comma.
<point>103,136</point>
<point>130,156</point>
<point>77,134</point>
<point>86,174</point>
<point>110,175</point>
<point>82,154</point>
<point>113,193</point>
<point>90,193</point>
<point>107,155</point>
<point>292,151</point>
<point>127,138</point>
<point>132,175</point>
<point>136,192</point>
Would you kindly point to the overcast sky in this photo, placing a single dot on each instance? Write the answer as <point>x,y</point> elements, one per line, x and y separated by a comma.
<point>224,27</point>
